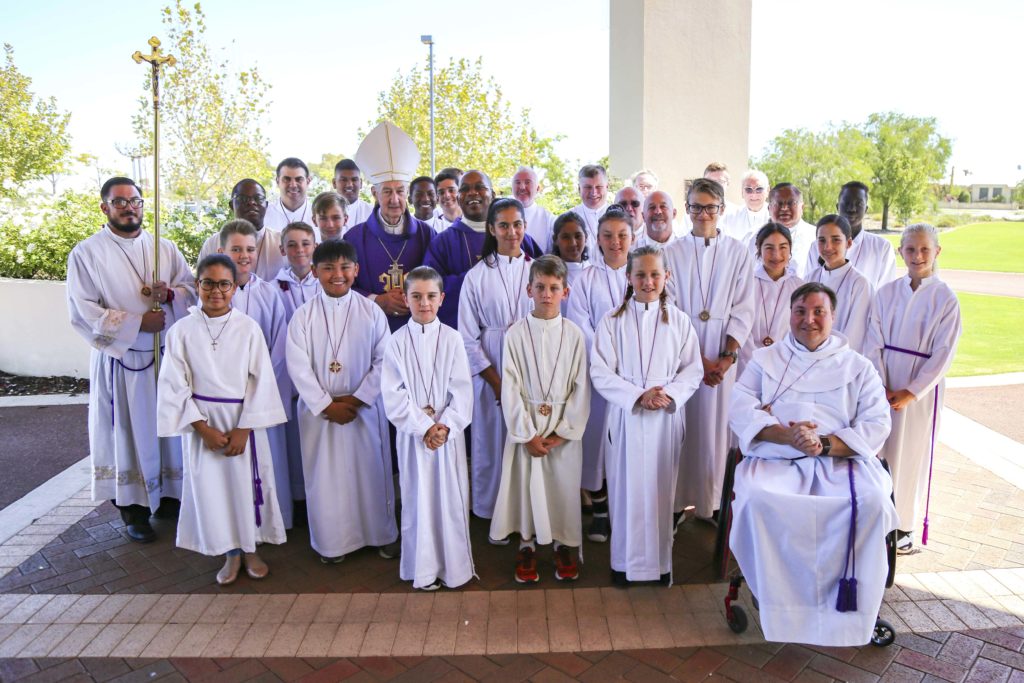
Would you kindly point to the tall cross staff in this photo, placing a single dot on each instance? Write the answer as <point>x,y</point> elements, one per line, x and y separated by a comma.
<point>155,60</point>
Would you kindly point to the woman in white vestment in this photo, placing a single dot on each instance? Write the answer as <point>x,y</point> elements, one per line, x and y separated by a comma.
<point>774,282</point>
<point>853,291</point>
<point>217,390</point>
<point>912,338</point>
<point>428,396</point>
<point>569,241</point>
<point>493,297</point>
<point>646,363</point>
<point>812,504</point>
<point>600,289</point>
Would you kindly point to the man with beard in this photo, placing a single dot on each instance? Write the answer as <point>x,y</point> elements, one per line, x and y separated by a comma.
<point>539,221</point>
<point>249,201</point>
<point>632,202</point>
<point>347,182</point>
<point>447,184</point>
<point>391,242</point>
<point>659,216</point>
<point>112,294</point>
<point>787,207</point>
<point>292,206</point>
<point>458,248</point>
<point>872,255</point>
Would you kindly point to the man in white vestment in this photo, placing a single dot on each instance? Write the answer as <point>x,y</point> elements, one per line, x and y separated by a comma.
<point>719,172</point>
<point>786,206</point>
<point>746,220</point>
<point>632,202</point>
<point>249,201</point>
<point>659,218</point>
<point>593,189</point>
<point>448,210</point>
<point>870,254</point>
<point>347,182</point>
<point>423,202</point>
<point>292,205</point>
<point>539,221</point>
<point>813,502</point>
<point>644,181</point>
<point>112,290</point>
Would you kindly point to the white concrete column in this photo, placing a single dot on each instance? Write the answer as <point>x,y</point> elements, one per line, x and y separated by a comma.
<point>679,88</point>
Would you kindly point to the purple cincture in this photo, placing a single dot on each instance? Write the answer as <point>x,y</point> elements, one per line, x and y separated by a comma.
<point>120,362</point>
<point>257,483</point>
<point>846,600</point>
<point>931,454</point>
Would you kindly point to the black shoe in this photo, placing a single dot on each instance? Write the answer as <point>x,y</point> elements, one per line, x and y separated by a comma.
<point>169,508</point>
<point>666,579</point>
<point>619,579</point>
<point>140,532</point>
<point>600,529</point>
<point>300,517</point>
<point>391,550</point>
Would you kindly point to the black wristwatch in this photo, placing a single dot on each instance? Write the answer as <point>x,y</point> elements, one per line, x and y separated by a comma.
<point>730,354</point>
<point>826,445</point>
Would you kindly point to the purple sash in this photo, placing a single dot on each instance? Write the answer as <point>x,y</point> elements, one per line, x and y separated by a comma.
<point>257,483</point>
<point>846,600</point>
<point>931,454</point>
<point>120,362</point>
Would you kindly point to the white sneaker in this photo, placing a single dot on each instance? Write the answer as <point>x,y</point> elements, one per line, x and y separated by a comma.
<point>904,543</point>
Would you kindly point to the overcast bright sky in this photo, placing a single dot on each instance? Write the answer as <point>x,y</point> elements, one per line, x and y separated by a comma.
<point>813,62</point>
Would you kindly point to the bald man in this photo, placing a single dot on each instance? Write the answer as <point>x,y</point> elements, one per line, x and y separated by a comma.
<point>539,221</point>
<point>659,219</point>
<point>632,202</point>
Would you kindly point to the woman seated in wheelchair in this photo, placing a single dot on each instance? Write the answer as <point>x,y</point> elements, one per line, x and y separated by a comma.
<point>813,502</point>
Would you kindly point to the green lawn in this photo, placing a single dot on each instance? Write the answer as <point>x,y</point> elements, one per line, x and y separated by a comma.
<point>991,341</point>
<point>996,246</point>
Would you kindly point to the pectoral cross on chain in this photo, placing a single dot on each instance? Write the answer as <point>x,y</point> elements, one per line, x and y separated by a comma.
<point>393,278</point>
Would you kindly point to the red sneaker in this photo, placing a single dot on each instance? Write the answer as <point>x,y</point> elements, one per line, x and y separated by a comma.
<point>526,566</point>
<point>566,568</point>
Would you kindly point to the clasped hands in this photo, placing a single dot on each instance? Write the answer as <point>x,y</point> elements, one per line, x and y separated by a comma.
<point>803,436</point>
<point>232,443</point>
<point>539,446</point>
<point>436,436</point>
<point>342,409</point>
<point>898,400</point>
<point>655,398</point>
<point>714,370</point>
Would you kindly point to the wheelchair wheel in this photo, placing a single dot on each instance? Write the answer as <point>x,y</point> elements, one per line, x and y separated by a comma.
<point>738,621</point>
<point>884,634</point>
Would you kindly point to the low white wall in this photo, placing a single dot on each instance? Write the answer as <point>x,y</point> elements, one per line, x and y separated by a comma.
<point>36,337</point>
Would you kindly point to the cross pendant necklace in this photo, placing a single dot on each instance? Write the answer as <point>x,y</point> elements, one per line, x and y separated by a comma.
<point>334,366</point>
<point>213,340</point>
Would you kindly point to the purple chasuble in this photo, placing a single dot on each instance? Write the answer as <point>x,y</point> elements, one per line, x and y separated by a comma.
<point>378,250</point>
<point>452,254</point>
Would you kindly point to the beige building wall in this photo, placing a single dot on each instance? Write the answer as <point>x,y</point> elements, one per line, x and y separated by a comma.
<point>679,88</point>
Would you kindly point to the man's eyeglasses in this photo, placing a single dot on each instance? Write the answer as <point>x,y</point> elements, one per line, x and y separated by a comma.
<point>209,285</point>
<point>121,202</point>
<point>710,209</point>
<point>753,190</point>
<point>244,199</point>
<point>630,202</point>
<point>790,204</point>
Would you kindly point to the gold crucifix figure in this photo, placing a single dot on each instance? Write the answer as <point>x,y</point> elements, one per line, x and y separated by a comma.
<point>156,60</point>
<point>393,277</point>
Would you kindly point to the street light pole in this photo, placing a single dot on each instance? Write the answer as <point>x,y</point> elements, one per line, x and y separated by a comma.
<point>429,40</point>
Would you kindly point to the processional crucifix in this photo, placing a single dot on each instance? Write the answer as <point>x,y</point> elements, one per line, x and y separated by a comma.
<point>156,60</point>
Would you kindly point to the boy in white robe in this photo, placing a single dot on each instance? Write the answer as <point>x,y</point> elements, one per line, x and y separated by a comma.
<point>218,392</point>
<point>492,298</point>
<point>912,337</point>
<point>296,284</point>
<point>110,293</point>
<point>808,529</point>
<point>713,283</point>
<point>430,416</point>
<point>258,299</point>
<point>545,398</point>
<point>598,290</point>
<point>853,291</point>
<point>335,351</point>
<point>330,217</point>
<point>646,363</point>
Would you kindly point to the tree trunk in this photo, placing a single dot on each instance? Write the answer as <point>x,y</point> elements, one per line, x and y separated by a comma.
<point>885,214</point>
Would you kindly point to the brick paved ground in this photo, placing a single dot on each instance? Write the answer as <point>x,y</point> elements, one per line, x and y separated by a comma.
<point>77,588</point>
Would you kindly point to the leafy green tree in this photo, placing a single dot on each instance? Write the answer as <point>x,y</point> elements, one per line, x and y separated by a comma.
<point>1018,194</point>
<point>211,116</point>
<point>818,163</point>
<point>474,127</point>
<point>34,140</point>
<point>324,169</point>
<point>907,155</point>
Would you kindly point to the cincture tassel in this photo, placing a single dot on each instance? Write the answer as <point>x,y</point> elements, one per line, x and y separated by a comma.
<point>846,601</point>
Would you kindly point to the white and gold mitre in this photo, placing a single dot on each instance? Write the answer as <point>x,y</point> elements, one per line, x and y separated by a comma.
<point>387,153</point>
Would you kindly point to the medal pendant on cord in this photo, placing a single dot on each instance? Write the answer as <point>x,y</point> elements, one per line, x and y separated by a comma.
<point>429,410</point>
<point>146,291</point>
<point>335,366</point>
<point>705,316</point>
<point>767,341</point>
<point>545,409</point>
